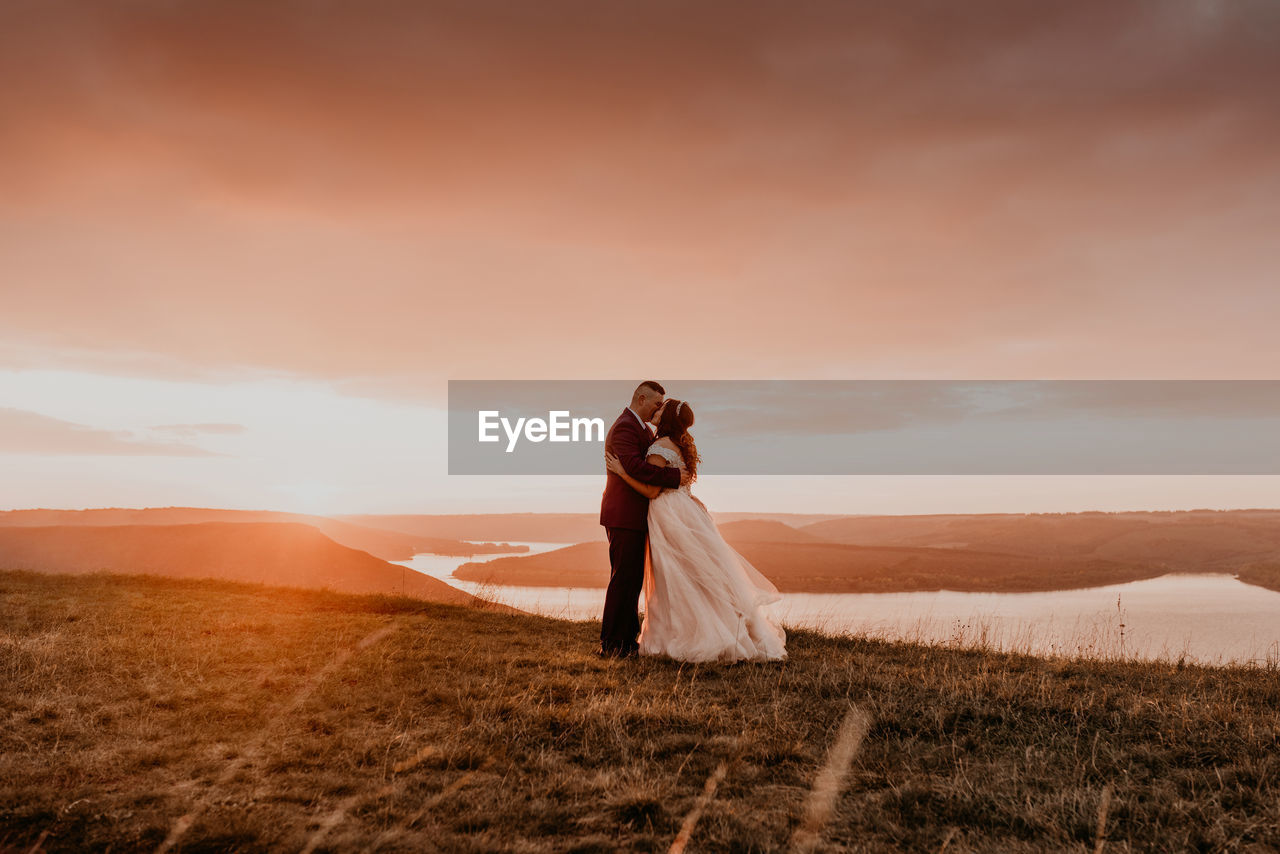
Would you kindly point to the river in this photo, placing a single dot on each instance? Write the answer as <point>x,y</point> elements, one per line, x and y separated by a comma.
<point>1204,618</point>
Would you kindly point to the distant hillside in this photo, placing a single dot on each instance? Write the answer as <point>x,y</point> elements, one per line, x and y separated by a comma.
<point>587,564</point>
<point>1261,575</point>
<point>1201,540</point>
<point>506,527</point>
<point>535,527</point>
<point>277,553</point>
<point>764,531</point>
<point>580,565</point>
<point>380,542</point>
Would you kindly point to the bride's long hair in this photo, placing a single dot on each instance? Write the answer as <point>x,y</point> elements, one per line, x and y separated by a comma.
<point>675,422</point>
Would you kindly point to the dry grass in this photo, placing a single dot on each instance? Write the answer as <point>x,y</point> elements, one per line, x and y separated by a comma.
<point>132,702</point>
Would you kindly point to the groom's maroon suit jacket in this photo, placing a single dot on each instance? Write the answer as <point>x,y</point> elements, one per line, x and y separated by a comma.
<point>622,506</point>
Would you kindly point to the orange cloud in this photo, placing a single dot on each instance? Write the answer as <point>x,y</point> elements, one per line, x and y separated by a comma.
<point>388,194</point>
<point>25,432</point>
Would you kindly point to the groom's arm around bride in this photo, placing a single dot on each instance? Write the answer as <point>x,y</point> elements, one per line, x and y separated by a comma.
<point>622,506</point>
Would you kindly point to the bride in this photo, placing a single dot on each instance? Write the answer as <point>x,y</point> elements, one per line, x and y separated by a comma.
<point>703,600</point>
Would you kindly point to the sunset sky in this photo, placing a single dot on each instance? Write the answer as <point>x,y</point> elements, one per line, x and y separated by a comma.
<point>244,245</point>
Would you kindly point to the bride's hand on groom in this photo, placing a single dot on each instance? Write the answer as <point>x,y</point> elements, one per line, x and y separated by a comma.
<point>612,463</point>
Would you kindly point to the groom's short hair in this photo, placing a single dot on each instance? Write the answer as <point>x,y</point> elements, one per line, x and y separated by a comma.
<point>652,386</point>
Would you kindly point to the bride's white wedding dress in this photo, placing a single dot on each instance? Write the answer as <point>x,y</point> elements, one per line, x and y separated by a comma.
<point>703,600</point>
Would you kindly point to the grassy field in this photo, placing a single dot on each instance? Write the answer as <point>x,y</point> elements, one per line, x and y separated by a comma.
<point>145,713</point>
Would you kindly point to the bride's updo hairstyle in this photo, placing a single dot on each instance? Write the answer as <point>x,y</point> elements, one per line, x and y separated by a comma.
<point>676,420</point>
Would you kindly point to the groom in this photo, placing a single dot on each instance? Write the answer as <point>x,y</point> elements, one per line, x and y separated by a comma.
<point>625,516</point>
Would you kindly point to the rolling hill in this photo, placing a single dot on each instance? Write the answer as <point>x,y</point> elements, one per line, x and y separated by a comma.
<point>1203,540</point>
<point>277,553</point>
<point>380,542</point>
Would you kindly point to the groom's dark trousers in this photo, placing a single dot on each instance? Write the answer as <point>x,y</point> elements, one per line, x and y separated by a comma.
<point>625,516</point>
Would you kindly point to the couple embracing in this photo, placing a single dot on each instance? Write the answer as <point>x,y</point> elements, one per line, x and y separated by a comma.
<point>703,600</point>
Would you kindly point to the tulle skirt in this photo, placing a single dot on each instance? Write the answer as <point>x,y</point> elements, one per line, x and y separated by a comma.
<point>703,600</point>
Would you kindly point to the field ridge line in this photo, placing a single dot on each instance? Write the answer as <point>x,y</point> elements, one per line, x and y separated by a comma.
<point>691,820</point>
<point>829,782</point>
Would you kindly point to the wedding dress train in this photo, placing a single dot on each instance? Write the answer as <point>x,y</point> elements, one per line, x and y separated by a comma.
<point>703,600</point>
